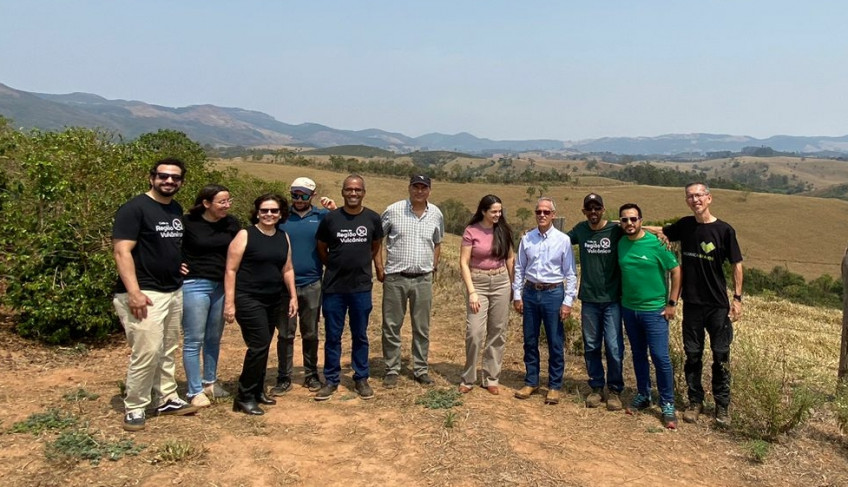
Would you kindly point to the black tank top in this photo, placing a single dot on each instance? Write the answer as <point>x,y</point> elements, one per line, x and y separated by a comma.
<point>261,269</point>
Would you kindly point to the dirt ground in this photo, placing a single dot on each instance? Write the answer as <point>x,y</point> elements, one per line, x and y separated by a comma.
<point>391,440</point>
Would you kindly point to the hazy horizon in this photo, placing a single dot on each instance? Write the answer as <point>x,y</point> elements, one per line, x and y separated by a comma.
<point>538,70</point>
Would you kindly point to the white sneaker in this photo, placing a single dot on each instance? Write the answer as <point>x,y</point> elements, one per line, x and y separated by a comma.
<point>200,401</point>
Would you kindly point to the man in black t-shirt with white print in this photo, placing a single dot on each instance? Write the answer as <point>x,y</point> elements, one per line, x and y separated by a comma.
<point>348,241</point>
<point>147,237</point>
<point>706,242</point>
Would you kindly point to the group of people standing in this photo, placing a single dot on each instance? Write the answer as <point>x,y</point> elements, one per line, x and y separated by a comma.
<point>293,263</point>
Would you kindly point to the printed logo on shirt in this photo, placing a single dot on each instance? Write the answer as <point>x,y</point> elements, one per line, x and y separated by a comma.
<point>707,247</point>
<point>170,229</point>
<point>348,236</point>
<point>602,246</point>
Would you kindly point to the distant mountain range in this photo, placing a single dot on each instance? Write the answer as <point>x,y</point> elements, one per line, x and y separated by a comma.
<point>220,126</point>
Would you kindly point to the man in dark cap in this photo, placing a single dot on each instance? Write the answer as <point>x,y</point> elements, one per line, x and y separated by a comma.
<point>414,229</point>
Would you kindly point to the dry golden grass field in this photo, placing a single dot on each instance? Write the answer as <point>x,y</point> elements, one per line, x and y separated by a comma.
<point>487,440</point>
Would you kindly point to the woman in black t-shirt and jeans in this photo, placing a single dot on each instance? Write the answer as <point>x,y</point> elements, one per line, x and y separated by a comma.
<point>259,293</point>
<point>208,230</point>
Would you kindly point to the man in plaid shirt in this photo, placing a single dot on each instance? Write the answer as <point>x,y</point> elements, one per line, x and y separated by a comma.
<point>414,229</point>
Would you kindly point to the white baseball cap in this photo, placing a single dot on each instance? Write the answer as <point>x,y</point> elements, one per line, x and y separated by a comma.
<point>303,184</point>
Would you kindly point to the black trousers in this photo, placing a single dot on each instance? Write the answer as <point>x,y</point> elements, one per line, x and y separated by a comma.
<point>697,322</point>
<point>258,316</point>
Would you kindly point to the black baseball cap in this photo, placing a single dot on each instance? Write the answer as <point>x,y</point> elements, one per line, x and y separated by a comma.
<point>593,198</point>
<point>419,179</point>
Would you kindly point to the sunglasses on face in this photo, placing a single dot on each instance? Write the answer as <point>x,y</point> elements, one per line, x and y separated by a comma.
<point>164,176</point>
<point>273,211</point>
<point>543,212</point>
<point>594,209</point>
<point>629,219</point>
<point>300,196</point>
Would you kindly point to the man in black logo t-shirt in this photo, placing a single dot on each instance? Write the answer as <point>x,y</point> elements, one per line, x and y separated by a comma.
<point>705,243</point>
<point>148,299</point>
<point>348,241</point>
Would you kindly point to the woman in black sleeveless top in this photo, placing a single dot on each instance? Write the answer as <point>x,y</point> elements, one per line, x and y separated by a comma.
<point>259,293</point>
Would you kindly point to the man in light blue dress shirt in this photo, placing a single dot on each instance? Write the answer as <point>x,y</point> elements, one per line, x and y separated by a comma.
<point>544,260</point>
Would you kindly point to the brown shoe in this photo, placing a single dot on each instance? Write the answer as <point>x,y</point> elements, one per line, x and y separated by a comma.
<point>553,396</point>
<point>614,402</point>
<point>691,414</point>
<point>464,389</point>
<point>526,391</point>
<point>595,399</point>
<point>493,390</point>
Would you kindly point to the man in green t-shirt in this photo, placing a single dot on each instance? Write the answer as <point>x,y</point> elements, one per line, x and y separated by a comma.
<point>647,304</point>
<point>600,292</point>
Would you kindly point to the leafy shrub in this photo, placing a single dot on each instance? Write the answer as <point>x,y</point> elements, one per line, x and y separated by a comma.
<point>59,192</point>
<point>456,215</point>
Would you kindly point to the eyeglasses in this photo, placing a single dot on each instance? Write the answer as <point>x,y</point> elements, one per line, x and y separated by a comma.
<point>227,202</point>
<point>273,211</point>
<point>300,196</point>
<point>543,212</point>
<point>696,196</point>
<point>354,190</point>
<point>164,176</point>
<point>629,219</point>
<point>595,209</point>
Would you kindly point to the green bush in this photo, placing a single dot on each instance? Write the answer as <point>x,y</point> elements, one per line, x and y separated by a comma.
<point>59,192</point>
<point>456,215</point>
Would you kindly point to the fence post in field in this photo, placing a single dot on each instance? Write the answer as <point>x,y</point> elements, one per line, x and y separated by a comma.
<point>843,351</point>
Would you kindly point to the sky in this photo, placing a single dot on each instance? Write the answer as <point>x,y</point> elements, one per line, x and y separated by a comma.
<point>565,70</point>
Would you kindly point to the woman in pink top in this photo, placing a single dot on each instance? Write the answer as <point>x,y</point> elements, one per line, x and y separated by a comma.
<point>486,262</point>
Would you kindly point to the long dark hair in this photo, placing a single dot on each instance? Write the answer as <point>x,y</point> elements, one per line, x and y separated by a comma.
<point>284,207</point>
<point>206,194</point>
<point>502,232</point>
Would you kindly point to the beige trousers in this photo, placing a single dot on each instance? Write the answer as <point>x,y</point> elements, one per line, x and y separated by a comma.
<point>486,329</point>
<point>154,341</point>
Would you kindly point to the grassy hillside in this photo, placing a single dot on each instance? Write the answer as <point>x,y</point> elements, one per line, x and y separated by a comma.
<point>350,150</point>
<point>804,234</point>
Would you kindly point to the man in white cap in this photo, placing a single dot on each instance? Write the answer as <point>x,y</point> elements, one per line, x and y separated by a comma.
<point>301,227</point>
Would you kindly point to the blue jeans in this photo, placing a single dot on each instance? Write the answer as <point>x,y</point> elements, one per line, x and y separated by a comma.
<point>357,306</point>
<point>543,307</point>
<point>648,330</point>
<point>602,328</point>
<point>203,325</point>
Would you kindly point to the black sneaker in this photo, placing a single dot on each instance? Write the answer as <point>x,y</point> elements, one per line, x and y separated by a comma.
<point>390,381</point>
<point>365,392</point>
<point>326,391</point>
<point>312,383</point>
<point>176,407</point>
<point>424,379</point>
<point>281,388</point>
<point>134,421</point>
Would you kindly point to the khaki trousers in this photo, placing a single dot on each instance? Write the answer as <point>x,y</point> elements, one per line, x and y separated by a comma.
<point>154,341</point>
<point>486,329</point>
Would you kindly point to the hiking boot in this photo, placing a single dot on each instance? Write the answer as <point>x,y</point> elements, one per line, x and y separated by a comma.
<point>312,383</point>
<point>424,379</point>
<point>281,388</point>
<point>692,412</point>
<point>215,391</point>
<point>553,396</point>
<point>201,401</point>
<point>134,420</point>
<point>326,391</point>
<point>595,399</point>
<point>526,391</point>
<point>363,389</point>
<point>176,407</point>
<point>390,381</point>
<point>614,402</point>
<point>639,403</point>
<point>669,418</point>
<point>722,417</point>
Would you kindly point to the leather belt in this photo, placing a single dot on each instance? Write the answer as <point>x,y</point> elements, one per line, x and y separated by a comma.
<point>412,275</point>
<point>541,286</point>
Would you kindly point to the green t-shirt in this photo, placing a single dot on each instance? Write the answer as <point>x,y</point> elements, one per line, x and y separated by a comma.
<point>644,266</point>
<point>600,277</point>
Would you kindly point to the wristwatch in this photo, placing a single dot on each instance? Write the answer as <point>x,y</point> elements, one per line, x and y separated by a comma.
<point>672,302</point>
<point>737,297</point>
